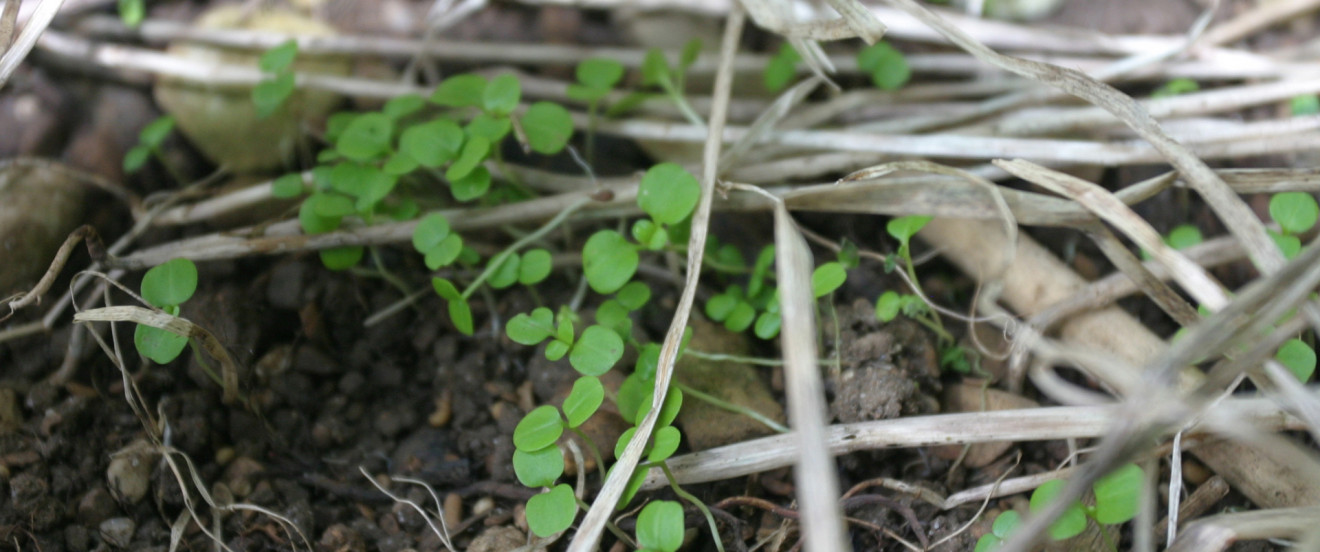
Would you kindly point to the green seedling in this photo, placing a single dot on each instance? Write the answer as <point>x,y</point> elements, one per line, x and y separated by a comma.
<point>781,68</point>
<point>660,527</point>
<point>1306,104</point>
<point>271,93</point>
<point>1180,237</point>
<point>1175,87</point>
<point>1296,213</point>
<point>1117,498</point>
<point>1298,358</point>
<point>165,287</point>
<point>885,65</point>
<point>596,77</point>
<point>149,141</point>
<point>657,73</point>
<point>132,12</point>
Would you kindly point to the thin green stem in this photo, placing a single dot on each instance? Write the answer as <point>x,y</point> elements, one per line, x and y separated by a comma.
<point>499,258</point>
<point>595,451</point>
<point>682,104</point>
<point>710,519</point>
<point>736,409</point>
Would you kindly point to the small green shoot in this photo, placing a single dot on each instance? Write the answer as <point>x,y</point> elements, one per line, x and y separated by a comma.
<point>149,141</point>
<point>1175,87</point>
<point>132,12</point>
<point>885,65</point>
<point>1298,358</point>
<point>1306,104</point>
<point>551,512</point>
<point>781,68</point>
<point>1296,213</point>
<point>165,287</point>
<point>271,93</point>
<point>1117,499</point>
<point>1003,527</point>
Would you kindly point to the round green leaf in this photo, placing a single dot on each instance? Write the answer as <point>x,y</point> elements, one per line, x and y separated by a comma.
<point>1298,357</point>
<point>608,261</point>
<point>131,12</point>
<point>1296,212</point>
<point>160,346</point>
<point>433,143</point>
<point>538,468</point>
<point>278,58</point>
<point>1005,523</point>
<point>655,68</point>
<point>287,186</point>
<point>472,185</point>
<point>741,317</point>
<point>1073,520</point>
<point>341,258</point>
<point>548,127</point>
<point>552,512</point>
<point>1306,104</point>
<point>535,267</point>
<point>767,325</point>
<point>599,73</point>
<point>474,152</point>
<point>402,106</point>
<point>988,543</point>
<point>366,137</point>
<point>587,94</point>
<point>668,193</point>
<point>827,278</point>
<point>583,400</point>
<point>445,253</point>
<point>634,295</point>
<point>1289,245</point>
<point>886,307</point>
<point>614,316</point>
<point>539,429</point>
<point>665,443</point>
<point>429,232</point>
<point>622,442</point>
<point>886,65</point>
<point>660,526</point>
<point>673,403</point>
<point>506,274</point>
<point>502,94</point>
<point>556,350</point>
<point>313,223</point>
<point>1118,495</point>
<point>460,91</point>
<point>781,69</point>
<point>460,313</point>
<point>170,283</point>
<point>530,329</point>
<point>719,307</point>
<point>333,206</point>
<point>1183,236</point>
<point>596,351</point>
<point>488,127</point>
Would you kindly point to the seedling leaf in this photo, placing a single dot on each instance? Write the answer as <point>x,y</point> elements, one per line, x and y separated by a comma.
<point>665,443</point>
<point>655,69</point>
<point>535,267</point>
<point>460,91</point>
<point>445,253</point>
<point>552,512</point>
<point>1296,212</point>
<point>1006,523</point>
<point>540,428</point>
<point>429,232</point>
<point>827,278</point>
<point>767,325</point>
<point>886,65</point>
<point>609,261</point>
<point>548,127</point>
<point>341,258</point>
<point>136,158</point>
<point>530,329</point>
<point>399,107</point>
<point>599,73</point>
<point>781,68</point>
<point>1298,357</point>
<point>155,133</point>
<point>287,186</point>
<point>583,400</point>
<point>268,95</point>
<point>668,193</point>
<point>460,313</point>
<point>1183,236</point>
<point>502,94</point>
<point>432,143</point>
<point>160,346</point>
<point>660,526</point>
<point>1306,104</point>
<point>278,58</point>
<point>538,468</point>
<point>170,283</point>
<point>506,274</point>
<point>1290,245</point>
<point>488,127</point>
<point>596,351</point>
<point>886,307</point>
<point>1073,520</point>
<point>634,295</point>
<point>741,317</point>
<point>474,152</point>
<point>366,137</point>
<point>1118,495</point>
<point>903,228</point>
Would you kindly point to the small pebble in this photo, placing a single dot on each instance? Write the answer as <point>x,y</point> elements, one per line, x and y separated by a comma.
<point>118,532</point>
<point>453,510</point>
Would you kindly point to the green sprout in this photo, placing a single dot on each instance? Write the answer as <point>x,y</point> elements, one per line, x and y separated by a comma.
<point>1296,213</point>
<point>165,286</point>
<point>596,77</point>
<point>1306,104</point>
<point>781,68</point>
<point>132,12</point>
<point>271,93</point>
<point>1175,87</point>
<point>885,65</point>
<point>1298,358</point>
<point>149,141</point>
<point>1117,499</point>
<point>660,527</point>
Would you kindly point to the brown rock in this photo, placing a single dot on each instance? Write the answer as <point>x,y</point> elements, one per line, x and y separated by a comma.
<point>704,424</point>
